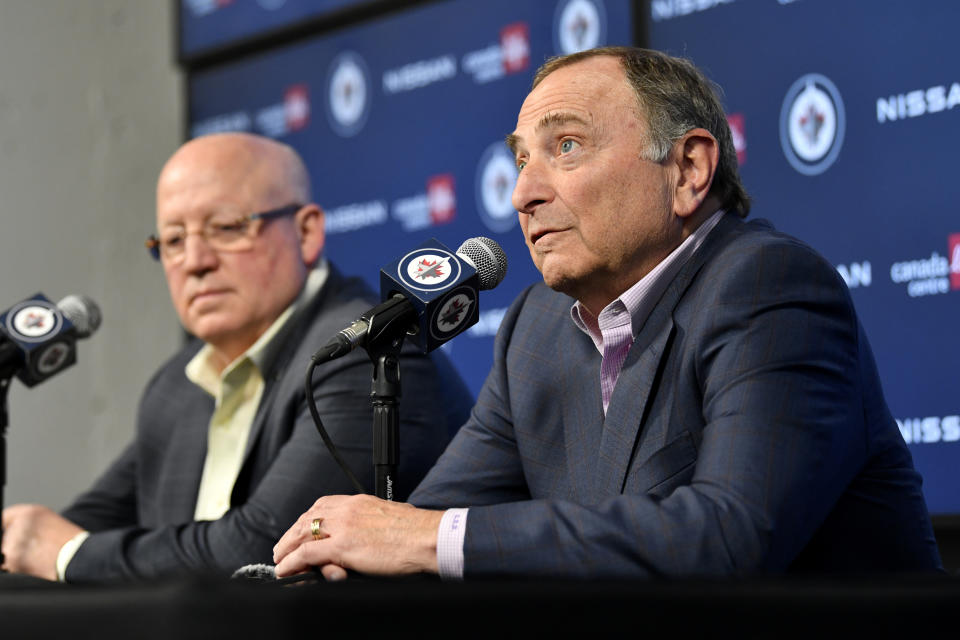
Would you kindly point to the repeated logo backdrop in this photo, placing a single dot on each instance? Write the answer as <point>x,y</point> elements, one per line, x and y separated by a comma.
<point>847,118</point>
<point>401,122</point>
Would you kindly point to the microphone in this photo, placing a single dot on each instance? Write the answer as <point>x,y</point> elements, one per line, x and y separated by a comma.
<point>430,294</point>
<point>256,572</point>
<point>38,338</point>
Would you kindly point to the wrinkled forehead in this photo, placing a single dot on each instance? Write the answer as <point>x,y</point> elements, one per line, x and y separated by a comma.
<point>198,186</point>
<point>585,92</point>
<point>196,197</point>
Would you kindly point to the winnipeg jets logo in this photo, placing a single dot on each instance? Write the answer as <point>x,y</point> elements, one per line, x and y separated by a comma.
<point>348,94</point>
<point>453,314</point>
<point>496,177</point>
<point>812,123</point>
<point>54,357</point>
<point>579,25</point>
<point>428,269</point>
<point>32,321</point>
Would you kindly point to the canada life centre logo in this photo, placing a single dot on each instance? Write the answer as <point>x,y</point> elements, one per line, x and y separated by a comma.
<point>930,276</point>
<point>348,94</point>
<point>812,124</point>
<point>496,178</point>
<point>288,116</point>
<point>579,25</point>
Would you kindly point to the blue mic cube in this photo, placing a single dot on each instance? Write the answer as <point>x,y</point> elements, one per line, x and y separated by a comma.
<point>44,337</point>
<point>442,287</point>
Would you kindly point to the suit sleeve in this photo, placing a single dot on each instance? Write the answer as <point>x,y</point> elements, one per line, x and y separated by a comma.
<point>771,355</point>
<point>481,466</point>
<point>301,471</point>
<point>112,501</point>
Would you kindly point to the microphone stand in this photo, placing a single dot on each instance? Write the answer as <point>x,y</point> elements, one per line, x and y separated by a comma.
<point>8,368</point>
<point>4,421</point>
<point>9,363</point>
<point>384,394</point>
<point>388,325</point>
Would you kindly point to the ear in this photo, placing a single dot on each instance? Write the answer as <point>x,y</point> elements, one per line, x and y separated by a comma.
<point>696,154</point>
<point>309,223</point>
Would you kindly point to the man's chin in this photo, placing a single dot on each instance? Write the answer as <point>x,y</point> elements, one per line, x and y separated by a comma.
<point>211,327</point>
<point>559,281</point>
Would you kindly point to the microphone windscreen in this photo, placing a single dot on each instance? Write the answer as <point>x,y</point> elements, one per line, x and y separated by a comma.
<point>256,572</point>
<point>487,257</point>
<point>82,312</point>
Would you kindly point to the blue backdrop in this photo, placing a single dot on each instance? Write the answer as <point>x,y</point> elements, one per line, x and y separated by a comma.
<point>848,120</point>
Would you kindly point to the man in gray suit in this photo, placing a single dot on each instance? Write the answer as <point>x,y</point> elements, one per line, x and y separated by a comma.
<point>687,394</point>
<point>226,454</point>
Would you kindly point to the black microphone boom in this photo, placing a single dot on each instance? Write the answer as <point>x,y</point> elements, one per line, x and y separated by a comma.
<point>368,327</point>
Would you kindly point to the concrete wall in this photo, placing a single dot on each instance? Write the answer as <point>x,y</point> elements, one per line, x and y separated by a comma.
<point>90,107</point>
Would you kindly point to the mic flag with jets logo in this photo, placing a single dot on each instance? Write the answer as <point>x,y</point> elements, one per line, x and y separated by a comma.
<point>442,287</point>
<point>44,337</point>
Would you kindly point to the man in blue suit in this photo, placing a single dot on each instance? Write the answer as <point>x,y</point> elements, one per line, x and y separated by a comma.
<point>686,394</point>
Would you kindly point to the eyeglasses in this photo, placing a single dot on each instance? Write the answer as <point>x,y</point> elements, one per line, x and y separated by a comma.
<point>232,234</point>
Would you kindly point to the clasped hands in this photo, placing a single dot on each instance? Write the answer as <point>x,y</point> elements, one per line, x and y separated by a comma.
<point>362,533</point>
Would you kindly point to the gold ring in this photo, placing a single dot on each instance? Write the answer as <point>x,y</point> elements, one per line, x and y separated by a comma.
<point>315,529</point>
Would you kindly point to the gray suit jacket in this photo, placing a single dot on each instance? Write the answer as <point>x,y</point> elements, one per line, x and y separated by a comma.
<point>140,512</point>
<point>747,433</point>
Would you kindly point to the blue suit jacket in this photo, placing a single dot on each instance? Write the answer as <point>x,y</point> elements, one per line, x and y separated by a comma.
<point>140,512</point>
<point>747,433</point>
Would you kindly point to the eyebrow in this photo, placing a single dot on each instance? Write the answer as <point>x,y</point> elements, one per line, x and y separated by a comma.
<point>512,142</point>
<point>551,119</point>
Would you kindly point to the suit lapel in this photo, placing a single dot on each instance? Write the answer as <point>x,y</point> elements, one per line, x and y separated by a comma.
<point>623,435</point>
<point>279,366</point>
<point>626,412</point>
<point>582,405</point>
<point>177,495</point>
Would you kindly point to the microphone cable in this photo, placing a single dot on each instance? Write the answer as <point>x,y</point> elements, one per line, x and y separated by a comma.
<point>318,359</point>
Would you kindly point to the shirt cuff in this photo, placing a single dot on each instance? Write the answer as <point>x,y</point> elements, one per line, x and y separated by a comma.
<point>453,527</point>
<point>67,551</point>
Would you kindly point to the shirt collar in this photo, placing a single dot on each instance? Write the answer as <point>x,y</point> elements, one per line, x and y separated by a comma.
<point>201,370</point>
<point>640,299</point>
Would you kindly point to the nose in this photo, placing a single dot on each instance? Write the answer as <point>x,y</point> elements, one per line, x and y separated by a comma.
<point>198,256</point>
<point>532,189</point>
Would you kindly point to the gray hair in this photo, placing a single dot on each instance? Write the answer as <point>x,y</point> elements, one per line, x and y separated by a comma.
<point>673,97</point>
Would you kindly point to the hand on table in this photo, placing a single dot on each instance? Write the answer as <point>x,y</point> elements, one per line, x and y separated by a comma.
<point>363,533</point>
<point>32,537</point>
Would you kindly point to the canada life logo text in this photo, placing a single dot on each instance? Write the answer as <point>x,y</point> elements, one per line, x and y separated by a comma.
<point>933,275</point>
